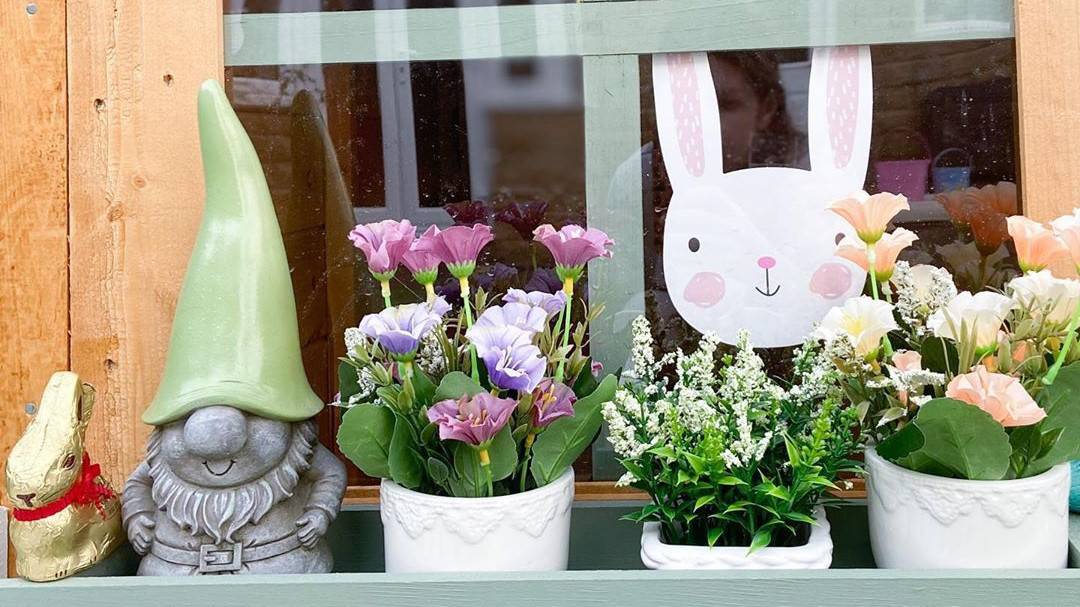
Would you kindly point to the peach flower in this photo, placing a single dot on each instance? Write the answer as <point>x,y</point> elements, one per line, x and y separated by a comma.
<point>870,215</point>
<point>1002,396</point>
<point>1036,245</point>
<point>886,250</point>
<point>906,361</point>
<point>1067,229</point>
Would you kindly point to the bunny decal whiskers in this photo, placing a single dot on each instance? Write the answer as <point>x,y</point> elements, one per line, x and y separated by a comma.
<point>754,248</point>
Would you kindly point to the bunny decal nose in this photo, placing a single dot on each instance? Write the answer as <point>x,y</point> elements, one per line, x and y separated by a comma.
<point>766,263</point>
<point>705,289</point>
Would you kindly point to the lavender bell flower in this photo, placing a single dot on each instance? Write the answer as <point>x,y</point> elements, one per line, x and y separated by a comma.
<point>572,247</point>
<point>551,304</point>
<point>550,402</point>
<point>400,329</point>
<point>512,361</point>
<point>521,315</point>
<point>473,420</point>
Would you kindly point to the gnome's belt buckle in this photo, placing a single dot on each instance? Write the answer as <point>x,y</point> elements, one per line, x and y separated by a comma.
<point>216,559</point>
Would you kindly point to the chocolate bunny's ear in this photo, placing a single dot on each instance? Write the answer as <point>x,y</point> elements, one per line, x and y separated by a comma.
<point>687,118</point>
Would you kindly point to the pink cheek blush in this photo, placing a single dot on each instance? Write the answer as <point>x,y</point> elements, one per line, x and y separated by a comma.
<point>831,280</point>
<point>705,289</point>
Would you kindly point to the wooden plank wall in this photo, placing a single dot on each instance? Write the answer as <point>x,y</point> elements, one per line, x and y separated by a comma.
<point>1048,82</point>
<point>136,194</point>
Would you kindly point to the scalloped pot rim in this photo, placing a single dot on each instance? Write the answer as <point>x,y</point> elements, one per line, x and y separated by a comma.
<point>500,500</point>
<point>1009,485</point>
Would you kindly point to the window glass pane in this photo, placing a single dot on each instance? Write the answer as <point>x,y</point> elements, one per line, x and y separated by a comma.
<point>942,132</point>
<point>433,142</point>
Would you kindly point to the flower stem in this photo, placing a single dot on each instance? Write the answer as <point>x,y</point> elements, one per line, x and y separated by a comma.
<point>429,288</point>
<point>529,438</point>
<point>1051,375</point>
<point>385,292</point>
<point>568,288</point>
<point>485,465</point>
<point>466,296</point>
<point>871,264</point>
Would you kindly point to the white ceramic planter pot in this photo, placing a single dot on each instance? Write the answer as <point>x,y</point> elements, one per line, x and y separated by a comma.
<point>919,521</point>
<point>523,532</point>
<point>815,554</point>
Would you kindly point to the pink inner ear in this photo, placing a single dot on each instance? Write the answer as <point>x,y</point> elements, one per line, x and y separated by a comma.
<point>687,110</point>
<point>842,102</point>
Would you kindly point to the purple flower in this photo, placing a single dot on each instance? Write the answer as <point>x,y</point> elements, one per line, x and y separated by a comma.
<point>399,329</point>
<point>573,246</point>
<point>511,359</point>
<point>473,420</point>
<point>383,243</point>
<point>467,212</point>
<point>524,217</point>
<point>457,247</point>
<point>495,275</point>
<point>422,264</point>
<point>523,316</point>
<point>597,368</point>
<point>550,402</point>
<point>544,279</point>
<point>551,304</point>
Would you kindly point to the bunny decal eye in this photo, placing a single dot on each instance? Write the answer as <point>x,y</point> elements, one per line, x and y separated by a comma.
<point>69,462</point>
<point>769,266</point>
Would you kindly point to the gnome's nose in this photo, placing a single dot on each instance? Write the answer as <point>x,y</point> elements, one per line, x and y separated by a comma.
<point>215,432</point>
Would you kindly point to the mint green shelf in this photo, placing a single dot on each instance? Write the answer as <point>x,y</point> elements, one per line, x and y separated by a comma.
<point>602,28</point>
<point>605,571</point>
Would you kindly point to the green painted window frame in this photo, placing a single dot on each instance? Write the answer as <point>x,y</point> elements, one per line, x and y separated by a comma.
<point>608,35</point>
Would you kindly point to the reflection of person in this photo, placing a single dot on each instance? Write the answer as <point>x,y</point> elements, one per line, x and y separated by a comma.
<point>757,128</point>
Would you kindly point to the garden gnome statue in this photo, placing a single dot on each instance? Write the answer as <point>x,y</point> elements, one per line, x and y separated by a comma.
<point>235,479</point>
<point>66,517</point>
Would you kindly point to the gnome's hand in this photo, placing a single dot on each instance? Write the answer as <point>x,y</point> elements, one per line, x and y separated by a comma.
<point>141,533</point>
<point>313,525</point>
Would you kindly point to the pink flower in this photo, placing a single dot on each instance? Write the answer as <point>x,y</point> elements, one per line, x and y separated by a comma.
<point>1067,229</point>
<point>573,246</point>
<point>886,250</point>
<point>420,262</point>
<point>906,361</point>
<point>383,243</point>
<point>550,402</point>
<point>1002,396</point>
<point>870,215</point>
<point>457,246</point>
<point>474,420</point>
<point>1036,246</point>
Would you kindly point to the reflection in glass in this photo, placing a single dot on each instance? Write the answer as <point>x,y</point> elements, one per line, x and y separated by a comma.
<point>498,142</point>
<point>306,6</point>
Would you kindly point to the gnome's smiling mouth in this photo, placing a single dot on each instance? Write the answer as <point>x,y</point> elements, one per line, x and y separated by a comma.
<point>206,464</point>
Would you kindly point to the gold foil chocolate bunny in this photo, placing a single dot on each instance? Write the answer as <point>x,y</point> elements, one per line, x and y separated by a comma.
<point>66,516</point>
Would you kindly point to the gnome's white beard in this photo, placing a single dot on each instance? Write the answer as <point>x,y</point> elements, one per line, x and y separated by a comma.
<point>220,513</point>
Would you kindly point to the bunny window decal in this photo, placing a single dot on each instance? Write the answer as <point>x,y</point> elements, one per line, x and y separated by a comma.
<point>754,248</point>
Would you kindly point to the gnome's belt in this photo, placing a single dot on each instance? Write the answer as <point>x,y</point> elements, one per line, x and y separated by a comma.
<point>224,557</point>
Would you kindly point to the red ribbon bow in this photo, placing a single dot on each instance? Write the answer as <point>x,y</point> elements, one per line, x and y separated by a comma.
<point>84,492</point>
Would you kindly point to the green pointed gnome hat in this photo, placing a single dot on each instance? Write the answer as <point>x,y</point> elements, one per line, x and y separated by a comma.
<point>234,336</point>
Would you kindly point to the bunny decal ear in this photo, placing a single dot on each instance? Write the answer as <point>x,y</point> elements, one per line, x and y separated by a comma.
<point>840,112</point>
<point>687,117</point>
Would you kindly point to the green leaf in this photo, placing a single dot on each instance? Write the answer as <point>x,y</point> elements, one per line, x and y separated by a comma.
<point>567,437</point>
<point>761,540</point>
<point>714,534</point>
<point>936,352</point>
<point>389,395</point>
<point>729,481</point>
<point>455,385</point>
<point>703,501</point>
<point>586,383</point>
<point>348,380</point>
<point>802,518</point>
<point>405,466</point>
<point>792,452</point>
<point>425,390</point>
<point>698,463</point>
<point>364,437</point>
<point>1061,401</point>
<point>955,436</point>
<point>684,477</point>
<point>663,451</point>
<point>502,453</point>
<point>438,470</point>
